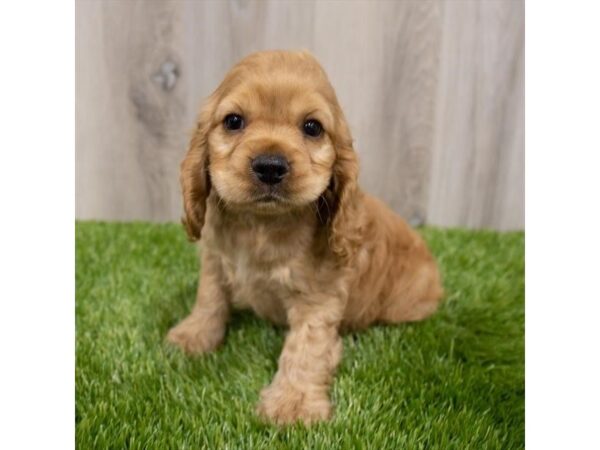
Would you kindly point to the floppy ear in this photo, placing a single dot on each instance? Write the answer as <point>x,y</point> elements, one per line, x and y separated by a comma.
<point>345,228</point>
<point>195,179</point>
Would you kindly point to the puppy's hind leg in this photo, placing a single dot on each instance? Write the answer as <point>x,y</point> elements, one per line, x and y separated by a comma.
<point>204,329</point>
<point>417,300</point>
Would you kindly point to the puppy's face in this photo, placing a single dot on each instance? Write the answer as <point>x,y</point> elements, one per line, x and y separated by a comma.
<point>270,140</point>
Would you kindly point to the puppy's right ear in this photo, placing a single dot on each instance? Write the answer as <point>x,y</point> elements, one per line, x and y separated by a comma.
<point>195,178</point>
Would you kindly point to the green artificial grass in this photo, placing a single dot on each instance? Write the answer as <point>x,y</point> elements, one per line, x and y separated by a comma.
<point>454,381</point>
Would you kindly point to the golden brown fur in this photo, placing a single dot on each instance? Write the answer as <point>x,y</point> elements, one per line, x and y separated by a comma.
<point>323,257</point>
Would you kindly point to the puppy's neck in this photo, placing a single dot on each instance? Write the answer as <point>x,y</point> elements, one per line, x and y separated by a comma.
<point>264,240</point>
<point>222,214</point>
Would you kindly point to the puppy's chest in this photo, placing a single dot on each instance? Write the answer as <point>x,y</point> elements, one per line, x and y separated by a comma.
<point>262,271</point>
<point>243,272</point>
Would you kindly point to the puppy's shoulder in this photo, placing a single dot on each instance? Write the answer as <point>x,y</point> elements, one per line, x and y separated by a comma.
<point>386,221</point>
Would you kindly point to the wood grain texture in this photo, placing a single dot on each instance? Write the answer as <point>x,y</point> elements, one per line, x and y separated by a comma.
<point>477,173</point>
<point>433,92</point>
<point>130,110</point>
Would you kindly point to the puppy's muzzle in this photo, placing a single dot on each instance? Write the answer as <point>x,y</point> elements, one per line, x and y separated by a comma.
<point>270,169</point>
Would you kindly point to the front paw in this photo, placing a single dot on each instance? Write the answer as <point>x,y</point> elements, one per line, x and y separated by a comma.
<point>196,334</point>
<point>284,404</point>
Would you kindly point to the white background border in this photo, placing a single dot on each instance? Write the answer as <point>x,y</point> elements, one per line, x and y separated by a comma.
<point>562,74</point>
<point>37,292</point>
<point>37,231</point>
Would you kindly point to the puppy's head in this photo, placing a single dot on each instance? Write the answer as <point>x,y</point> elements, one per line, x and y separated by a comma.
<point>272,138</point>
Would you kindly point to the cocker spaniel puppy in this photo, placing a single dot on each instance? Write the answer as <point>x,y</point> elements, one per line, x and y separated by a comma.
<point>270,184</point>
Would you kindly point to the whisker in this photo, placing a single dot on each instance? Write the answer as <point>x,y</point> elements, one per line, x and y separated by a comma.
<point>316,208</point>
<point>220,203</point>
<point>327,205</point>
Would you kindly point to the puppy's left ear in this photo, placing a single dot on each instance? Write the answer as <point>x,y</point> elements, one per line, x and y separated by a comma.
<point>345,232</point>
<point>195,178</point>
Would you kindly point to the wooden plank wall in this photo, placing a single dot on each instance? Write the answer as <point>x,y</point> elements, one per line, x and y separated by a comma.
<point>433,91</point>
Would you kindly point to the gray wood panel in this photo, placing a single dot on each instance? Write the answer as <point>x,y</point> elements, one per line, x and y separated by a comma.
<point>130,110</point>
<point>433,92</point>
<point>477,173</point>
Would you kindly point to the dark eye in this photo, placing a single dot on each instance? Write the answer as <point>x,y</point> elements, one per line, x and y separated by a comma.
<point>233,122</point>
<point>312,128</point>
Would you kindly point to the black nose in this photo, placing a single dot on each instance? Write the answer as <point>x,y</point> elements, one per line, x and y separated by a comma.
<point>270,169</point>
